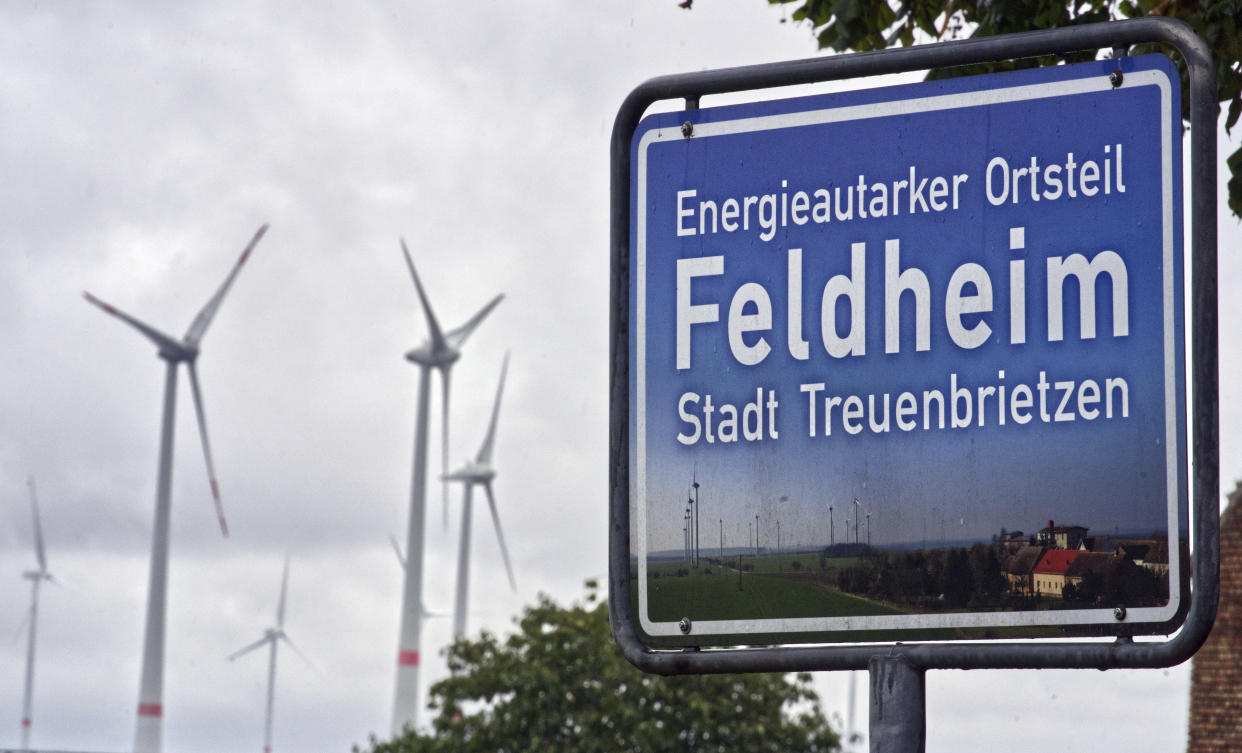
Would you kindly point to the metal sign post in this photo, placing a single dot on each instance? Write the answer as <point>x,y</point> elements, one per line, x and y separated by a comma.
<point>896,302</point>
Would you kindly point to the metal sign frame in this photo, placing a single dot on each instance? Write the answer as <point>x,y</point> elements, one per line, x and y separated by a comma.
<point>1204,441</point>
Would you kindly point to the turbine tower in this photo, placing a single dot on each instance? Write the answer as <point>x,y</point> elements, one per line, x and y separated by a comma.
<point>441,351</point>
<point>271,637</point>
<point>694,555</point>
<point>36,577</point>
<point>148,731</point>
<point>480,472</point>
<point>856,504</point>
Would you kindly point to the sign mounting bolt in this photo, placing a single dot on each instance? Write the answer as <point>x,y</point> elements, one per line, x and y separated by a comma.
<point>687,129</point>
<point>1115,78</point>
<point>1119,612</point>
<point>684,625</point>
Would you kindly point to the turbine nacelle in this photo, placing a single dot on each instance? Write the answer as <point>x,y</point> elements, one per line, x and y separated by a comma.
<point>182,354</point>
<point>430,356</point>
<point>472,473</point>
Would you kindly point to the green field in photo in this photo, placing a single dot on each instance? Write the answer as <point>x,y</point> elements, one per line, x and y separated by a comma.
<point>724,595</point>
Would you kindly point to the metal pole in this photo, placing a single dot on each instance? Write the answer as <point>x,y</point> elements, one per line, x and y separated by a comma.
<point>898,722</point>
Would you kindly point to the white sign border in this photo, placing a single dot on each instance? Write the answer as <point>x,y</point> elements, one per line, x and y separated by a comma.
<point>900,107</point>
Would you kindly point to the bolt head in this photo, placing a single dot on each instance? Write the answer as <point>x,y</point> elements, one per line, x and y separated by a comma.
<point>1116,77</point>
<point>1119,612</point>
<point>684,625</point>
<point>687,130</point>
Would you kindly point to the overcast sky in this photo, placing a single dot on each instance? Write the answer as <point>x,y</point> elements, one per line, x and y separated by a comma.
<point>141,148</point>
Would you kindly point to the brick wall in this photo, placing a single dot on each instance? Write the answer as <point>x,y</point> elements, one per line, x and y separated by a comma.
<point>1216,671</point>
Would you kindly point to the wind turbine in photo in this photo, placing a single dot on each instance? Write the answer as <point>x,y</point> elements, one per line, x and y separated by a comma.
<point>36,578</point>
<point>478,472</point>
<point>271,637</point>
<point>441,351</point>
<point>148,731</point>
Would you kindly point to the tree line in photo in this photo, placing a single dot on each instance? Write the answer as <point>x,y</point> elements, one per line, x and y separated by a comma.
<point>976,578</point>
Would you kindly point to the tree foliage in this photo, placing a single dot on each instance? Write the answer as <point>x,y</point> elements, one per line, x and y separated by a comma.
<point>859,25</point>
<point>559,683</point>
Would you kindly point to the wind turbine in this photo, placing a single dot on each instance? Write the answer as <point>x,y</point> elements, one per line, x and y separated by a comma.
<point>698,506</point>
<point>36,577</point>
<point>148,732</point>
<point>441,351</point>
<point>478,472</point>
<point>271,637</point>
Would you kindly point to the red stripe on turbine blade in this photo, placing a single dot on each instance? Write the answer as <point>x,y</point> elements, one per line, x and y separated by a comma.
<point>150,709</point>
<point>215,490</point>
<point>25,722</point>
<point>408,659</point>
<point>224,527</point>
<point>245,255</point>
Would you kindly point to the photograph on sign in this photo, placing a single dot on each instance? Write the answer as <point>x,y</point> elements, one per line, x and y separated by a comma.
<point>908,362</point>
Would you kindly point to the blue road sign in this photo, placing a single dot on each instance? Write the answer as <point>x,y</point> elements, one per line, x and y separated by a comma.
<point>911,359</point>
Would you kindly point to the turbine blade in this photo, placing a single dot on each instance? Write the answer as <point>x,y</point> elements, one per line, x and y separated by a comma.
<point>21,628</point>
<point>485,452</point>
<point>202,433</point>
<point>444,445</point>
<point>301,655</point>
<point>40,554</point>
<point>161,340</point>
<point>461,474</point>
<point>458,336</point>
<point>284,583</point>
<point>437,335</point>
<point>194,335</point>
<point>500,536</point>
<point>243,651</point>
<point>396,548</point>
